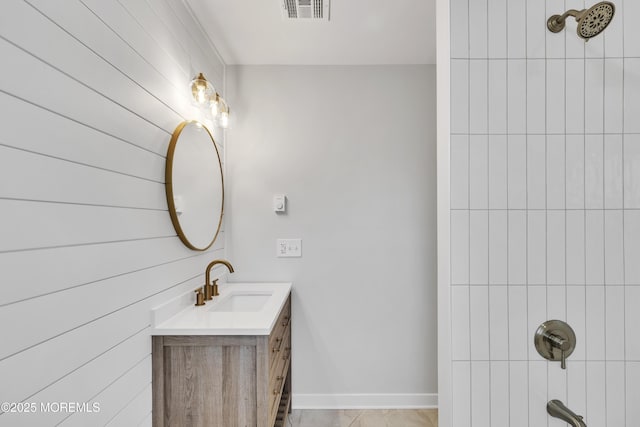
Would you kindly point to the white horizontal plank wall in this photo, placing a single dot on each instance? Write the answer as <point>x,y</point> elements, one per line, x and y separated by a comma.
<point>545,154</point>
<point>90,93</point>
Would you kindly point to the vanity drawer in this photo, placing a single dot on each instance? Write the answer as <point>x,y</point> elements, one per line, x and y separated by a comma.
<point>279,374</point>
<point>277,337</point>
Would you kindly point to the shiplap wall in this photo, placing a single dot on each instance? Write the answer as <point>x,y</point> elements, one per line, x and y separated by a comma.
<point>545,220</point>
<point>90,92</point>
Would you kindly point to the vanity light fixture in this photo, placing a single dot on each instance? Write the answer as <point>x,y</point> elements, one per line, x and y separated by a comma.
<point>205,95</point>
<point>223,113</point>
<point>202,91</point>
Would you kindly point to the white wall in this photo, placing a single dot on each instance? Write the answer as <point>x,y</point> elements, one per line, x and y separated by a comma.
<point>90,93</point>
<point>353,148</point>
<point>545,147</point>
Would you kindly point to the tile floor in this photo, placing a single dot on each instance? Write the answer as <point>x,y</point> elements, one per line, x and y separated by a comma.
<point>364,418</point>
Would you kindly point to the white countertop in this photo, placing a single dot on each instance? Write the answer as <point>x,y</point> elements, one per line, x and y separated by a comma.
<point>173,318</point>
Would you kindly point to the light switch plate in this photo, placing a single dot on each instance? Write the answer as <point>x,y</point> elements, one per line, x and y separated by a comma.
<point>288,248</point>
<point>279,203</point>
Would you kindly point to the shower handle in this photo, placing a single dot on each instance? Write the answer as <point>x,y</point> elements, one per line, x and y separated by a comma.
<point>559,343</point>
<point>555,340</point>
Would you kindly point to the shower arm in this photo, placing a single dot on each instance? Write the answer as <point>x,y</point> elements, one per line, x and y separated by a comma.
<point>571,12</point>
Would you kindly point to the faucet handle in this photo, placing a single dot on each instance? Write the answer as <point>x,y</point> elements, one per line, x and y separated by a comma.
<point>199,297</point>
<point>214,288</point>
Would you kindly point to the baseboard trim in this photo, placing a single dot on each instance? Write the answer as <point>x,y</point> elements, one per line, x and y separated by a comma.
<point>365,401</point>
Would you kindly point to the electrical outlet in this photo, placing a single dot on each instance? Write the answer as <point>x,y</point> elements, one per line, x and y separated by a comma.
<point>288,248</point>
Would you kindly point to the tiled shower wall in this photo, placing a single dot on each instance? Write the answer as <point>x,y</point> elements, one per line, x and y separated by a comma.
<point>545,212</point>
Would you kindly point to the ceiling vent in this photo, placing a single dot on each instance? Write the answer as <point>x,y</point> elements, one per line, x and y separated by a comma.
<point>305,9</point>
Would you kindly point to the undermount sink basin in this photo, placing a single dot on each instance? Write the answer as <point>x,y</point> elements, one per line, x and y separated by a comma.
<point>242,302</point>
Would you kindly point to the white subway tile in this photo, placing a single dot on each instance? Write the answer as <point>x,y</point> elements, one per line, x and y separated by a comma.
<point>575,247</point>
<point>517,171</point>
<point>536,95</point>
<point>517,247</point>
<point>630,24</point>
<point>555,172</point>
<point>632,322</point>
<point>557,381</point>
<point>594,171</point>
<point>614,333</point>
<point>615,394</point>
<point>594,247</point>
<point>575,46</point>
<point>478,96</point>
<point>536,248</point>
<point>575,93</point>
<point>613,95</point>
<point>500,394</point>
<point>480,394</point>
<point>577,386</point>
<point>497,108</point>
<point>575,171</point>
<point>478,172</point>
<point>479,322</point>
<point>499,323</point>
<point>537,314</point>
<point>632,171</point>
<point>460,342</point>
<point>576,317</point>
<point>633,391</point>
<point>517,95</point>
<point>459,28</point>
<point>519,393</point>
<point>613,35</point>
<point>497,25</point>
<point>613,247</point>
<point>536,170</point>
<point>556,95</point>
<point>594,99</point>
<point>595,47</point>
<point>556,247</point>
<point>459,96</point>
<point>516,31</point>
<point>498,172</point>
<point>479,247</point>
<point>460,247</point>
<point>478,29</point>
<point>555,42</point>
<point>538,393</point>
<point>536,33</point>
<point>596,398</point>
<point>461,397</point>
<point>632,247</point>
<point>498,247</point>
<point>518,325</point>
<point>595,309</point>
<point>459,172</point>
<point>613,174</point>
<point>556,303</point>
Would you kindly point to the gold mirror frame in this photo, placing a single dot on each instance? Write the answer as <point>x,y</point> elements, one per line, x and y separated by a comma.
<point>169,185</point>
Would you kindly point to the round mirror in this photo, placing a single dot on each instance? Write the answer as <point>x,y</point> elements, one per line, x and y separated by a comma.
<point>194,184</point>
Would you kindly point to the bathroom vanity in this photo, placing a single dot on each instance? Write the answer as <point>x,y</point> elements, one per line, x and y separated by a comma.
<point>227,363</point>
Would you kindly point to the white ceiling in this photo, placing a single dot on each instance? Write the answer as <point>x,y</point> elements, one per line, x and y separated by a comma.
<point>358,32</point>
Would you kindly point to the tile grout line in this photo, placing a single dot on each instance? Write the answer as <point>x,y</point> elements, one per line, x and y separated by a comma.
<point>624,257</point>
<point>604,227</point>
<point>488,221</point>
<point>506,83</point>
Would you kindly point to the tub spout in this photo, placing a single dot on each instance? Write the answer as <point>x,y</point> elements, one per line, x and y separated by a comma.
<point>557,409</point>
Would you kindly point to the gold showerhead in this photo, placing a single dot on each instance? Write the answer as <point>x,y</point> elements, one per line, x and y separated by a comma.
<point>591,22</point>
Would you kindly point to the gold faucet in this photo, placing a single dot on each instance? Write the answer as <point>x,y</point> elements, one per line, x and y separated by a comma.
<point>211,290</point>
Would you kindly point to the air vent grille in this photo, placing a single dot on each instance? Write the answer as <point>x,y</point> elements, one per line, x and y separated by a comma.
<point>305,9</point>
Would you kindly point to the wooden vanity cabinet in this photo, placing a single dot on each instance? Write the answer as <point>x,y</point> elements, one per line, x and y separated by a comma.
<point>223,381</point>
